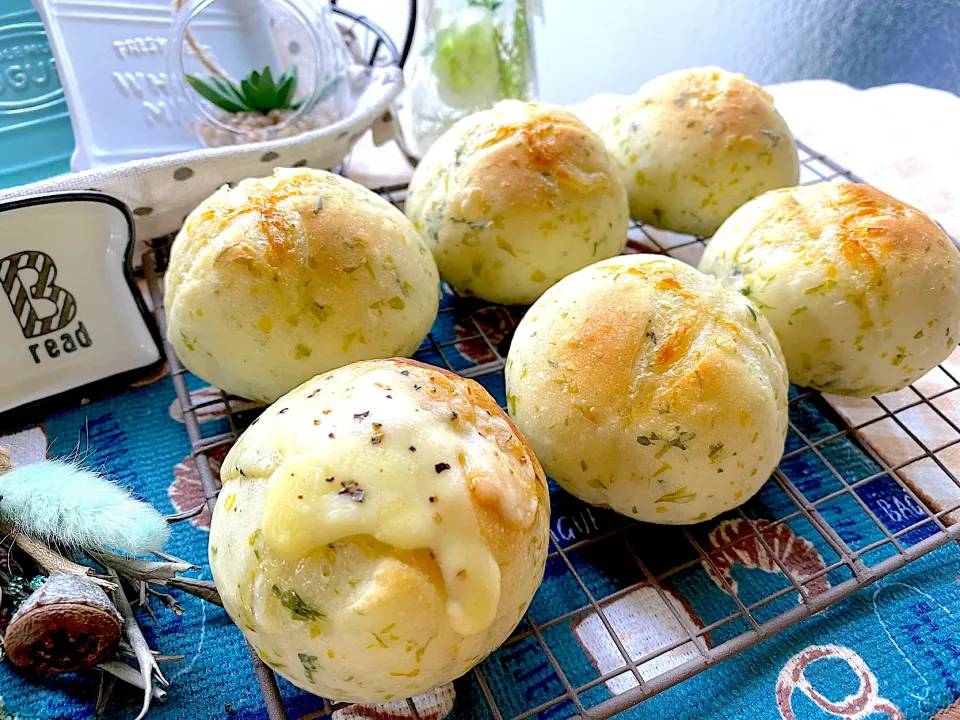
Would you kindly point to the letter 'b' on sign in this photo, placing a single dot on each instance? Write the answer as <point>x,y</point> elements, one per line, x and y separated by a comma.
<point>39,304</point>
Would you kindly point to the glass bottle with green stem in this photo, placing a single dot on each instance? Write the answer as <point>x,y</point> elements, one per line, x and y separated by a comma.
<point>474,54</point>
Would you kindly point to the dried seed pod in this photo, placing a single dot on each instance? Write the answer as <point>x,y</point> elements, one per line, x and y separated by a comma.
<point>68,624</point>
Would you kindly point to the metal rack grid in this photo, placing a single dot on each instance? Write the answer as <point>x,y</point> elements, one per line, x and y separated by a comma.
<point>470,337</point>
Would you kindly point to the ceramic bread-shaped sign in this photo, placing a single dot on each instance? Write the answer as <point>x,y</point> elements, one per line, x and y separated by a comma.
<point>70,314</point>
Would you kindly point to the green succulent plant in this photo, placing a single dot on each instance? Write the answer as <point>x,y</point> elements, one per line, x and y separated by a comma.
<point>258,92</point>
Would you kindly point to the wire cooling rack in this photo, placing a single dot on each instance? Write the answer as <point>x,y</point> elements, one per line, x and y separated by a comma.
<point>820,529</point>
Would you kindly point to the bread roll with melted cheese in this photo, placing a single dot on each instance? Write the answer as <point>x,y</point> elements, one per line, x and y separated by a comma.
<point>694,145</point>
<point>381,529</point>
<point>862,290</point>
<point>283,277</point>
<point>515,198</point>
<point>645,386</point>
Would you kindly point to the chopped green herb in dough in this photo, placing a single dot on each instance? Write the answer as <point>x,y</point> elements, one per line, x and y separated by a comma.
<point>678,496</point>
<point>715,452</point>
<point>309,663</point>
<point>505,246</point>
<point>472,224</point>
<point>299,609</point>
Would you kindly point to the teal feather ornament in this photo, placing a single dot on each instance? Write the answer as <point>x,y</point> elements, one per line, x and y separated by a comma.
<point>61,503</point>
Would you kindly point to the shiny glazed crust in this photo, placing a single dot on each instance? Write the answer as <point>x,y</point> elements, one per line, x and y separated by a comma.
<point>514,198</point>
<point>694,145</point>
<point>645,386</point>
<point>280,278</point>
<point>862,290</point>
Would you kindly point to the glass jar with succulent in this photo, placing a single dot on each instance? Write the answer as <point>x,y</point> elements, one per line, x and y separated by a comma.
<point>299,83</point>
<point>259,106</point>
<point>474,53</point>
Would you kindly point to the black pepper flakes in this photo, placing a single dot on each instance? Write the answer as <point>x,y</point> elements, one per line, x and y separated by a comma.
<point>433,498</point>
<point>440,467</point>
<point>416,387</point>
<point>330,479</point>
<point>361,416</point>
<point>412,449</point>
<point>330,436</point>
<point>404,372</point>
<point>389,397</point>
<point>453,415</point>
<point>282,411</point>
<point>240,470</point>
<point>350,487</point>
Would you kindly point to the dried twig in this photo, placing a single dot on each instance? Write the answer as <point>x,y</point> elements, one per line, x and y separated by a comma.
<point>167,599</point>
<point>185,515</point>
<point>107,683</point>
<point>203,589</point>
<point>148,570</point>
<point>160,573</point>
<point>148,665</point>
<point>130,676</point>
<point>169,658</point>
<point>126,650</point>
<point>5,463</point>
<point>145,603</point>
<point>52,561</point>
<point>171,558</point>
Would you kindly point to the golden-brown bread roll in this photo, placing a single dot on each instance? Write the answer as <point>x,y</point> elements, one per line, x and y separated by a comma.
<point>283,277</point>
<point>515,198</point>
<point>862,290</point>
<point>645,386</point>
<point>694,145</point>
<point>381,529</point>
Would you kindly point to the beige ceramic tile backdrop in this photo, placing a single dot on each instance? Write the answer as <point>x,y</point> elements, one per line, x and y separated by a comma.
<point>901,138</point>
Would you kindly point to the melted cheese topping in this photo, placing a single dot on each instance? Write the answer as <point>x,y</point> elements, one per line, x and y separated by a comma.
<point>396,469</point>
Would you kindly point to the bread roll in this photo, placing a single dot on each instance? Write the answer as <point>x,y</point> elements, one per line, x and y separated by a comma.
<point>381,529</point>
<point>862,290</point>
<point>694,145</point>
<point>280,278</point>
<point>514,198</point>
<point>645,386</point>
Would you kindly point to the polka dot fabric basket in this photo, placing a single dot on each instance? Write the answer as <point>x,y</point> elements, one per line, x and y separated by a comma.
<point>162,191</point>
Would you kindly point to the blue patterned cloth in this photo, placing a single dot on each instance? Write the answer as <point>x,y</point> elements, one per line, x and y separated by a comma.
<point>890,650</point>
